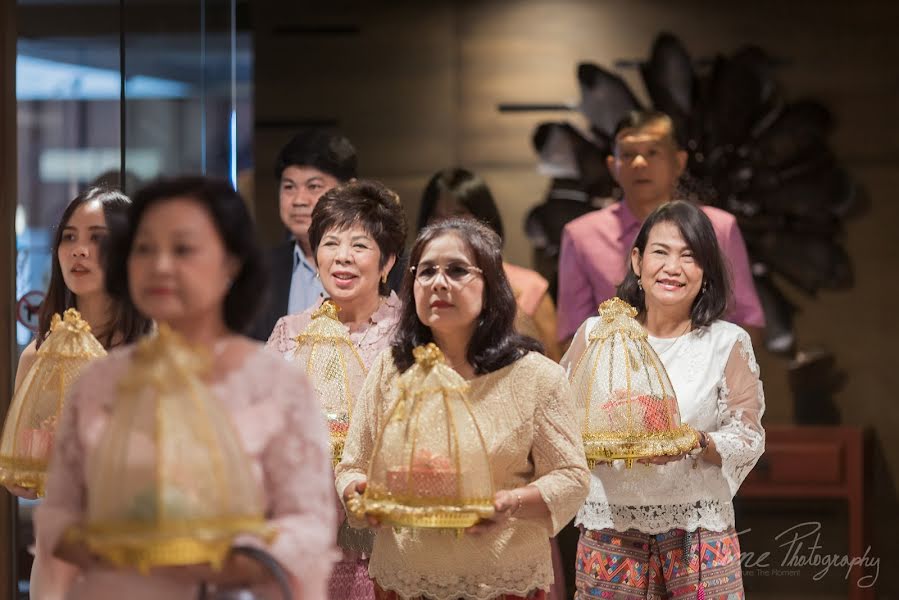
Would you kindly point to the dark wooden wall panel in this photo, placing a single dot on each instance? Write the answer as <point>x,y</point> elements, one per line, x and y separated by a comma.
<point>417,90</point>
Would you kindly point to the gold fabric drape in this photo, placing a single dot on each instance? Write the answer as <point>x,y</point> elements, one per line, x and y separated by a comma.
<point>168,483</point>
<point>429,466</point>
<point>31,422</point>
<point>626,402</point>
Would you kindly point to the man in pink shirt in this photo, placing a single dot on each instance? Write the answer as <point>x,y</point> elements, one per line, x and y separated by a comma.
<point>596,247</point>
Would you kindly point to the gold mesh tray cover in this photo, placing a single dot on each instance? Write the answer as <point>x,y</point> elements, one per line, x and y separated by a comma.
<point>168,483</point>
<point>326,353</point>
<point>626,402</point>
<point>30,426</point>
<point>430,466</point>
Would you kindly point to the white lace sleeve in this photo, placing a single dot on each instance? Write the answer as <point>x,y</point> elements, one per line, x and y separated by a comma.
<point>740,438</point>
<point>577,348</point>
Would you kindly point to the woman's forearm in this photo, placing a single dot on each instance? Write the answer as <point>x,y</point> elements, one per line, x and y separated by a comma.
<point>711,455</point>
<point>531,505</point>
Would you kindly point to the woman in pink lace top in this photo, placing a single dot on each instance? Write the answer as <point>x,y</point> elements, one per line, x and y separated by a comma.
<point>190,260</point>
<point>357,232</point>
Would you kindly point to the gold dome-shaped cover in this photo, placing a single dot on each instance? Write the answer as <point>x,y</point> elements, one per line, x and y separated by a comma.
<point>430,466</point>
<point>31,421</point>
<point>169,482</point>
<point>625,399</point>
<point>335,369</point>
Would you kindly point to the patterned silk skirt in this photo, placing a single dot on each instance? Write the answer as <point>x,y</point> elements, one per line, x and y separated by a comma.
<point>671,565</point>
<point>388,595</point>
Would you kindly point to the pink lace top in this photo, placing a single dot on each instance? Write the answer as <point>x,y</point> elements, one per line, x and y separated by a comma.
<point>370,340</point>
<point>276,416</point>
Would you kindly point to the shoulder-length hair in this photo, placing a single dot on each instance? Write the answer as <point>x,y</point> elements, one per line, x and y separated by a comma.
<point>494,343</point>
<point>126,324</point>
<point>699,235</point>
<point>234,224</point>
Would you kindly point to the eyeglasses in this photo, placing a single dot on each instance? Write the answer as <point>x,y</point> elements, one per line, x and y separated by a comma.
<point>455,273</point>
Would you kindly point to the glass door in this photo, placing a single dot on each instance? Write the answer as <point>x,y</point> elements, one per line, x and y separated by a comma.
<point>117,92</point>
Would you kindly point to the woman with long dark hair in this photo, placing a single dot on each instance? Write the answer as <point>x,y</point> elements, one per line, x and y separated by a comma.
<point>458,192</point>
<point>77,273</point>
<point>77,276</point>
<point>457,296</point>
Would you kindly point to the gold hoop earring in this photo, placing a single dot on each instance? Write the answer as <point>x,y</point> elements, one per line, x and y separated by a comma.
<point>384,278</point>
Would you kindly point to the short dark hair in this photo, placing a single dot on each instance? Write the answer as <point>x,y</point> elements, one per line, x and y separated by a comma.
<point>125,320</point>
<point>234,224</point>
<point>329,152</point>
<point>638,119</point>
<point>495,343</point>
<point>699,235</point>
<point>369,204</point>
<point>468,189</point>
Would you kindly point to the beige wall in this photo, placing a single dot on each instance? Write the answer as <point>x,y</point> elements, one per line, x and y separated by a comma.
<point>417,90</point>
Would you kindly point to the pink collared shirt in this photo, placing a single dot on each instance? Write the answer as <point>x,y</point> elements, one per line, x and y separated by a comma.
<point>595,253</point>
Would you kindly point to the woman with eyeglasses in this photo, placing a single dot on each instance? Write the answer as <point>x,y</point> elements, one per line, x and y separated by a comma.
<point>357,232</point>
<point>459,192</point>
<point>457,296</point>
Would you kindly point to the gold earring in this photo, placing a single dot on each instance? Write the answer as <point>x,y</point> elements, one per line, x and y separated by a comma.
<point>384,278</point>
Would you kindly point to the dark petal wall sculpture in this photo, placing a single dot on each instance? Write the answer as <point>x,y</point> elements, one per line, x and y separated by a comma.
<point>752,152</point>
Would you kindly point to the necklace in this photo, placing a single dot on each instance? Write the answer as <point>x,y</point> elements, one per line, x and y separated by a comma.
<point>664,349</point>
<point>369,325</point>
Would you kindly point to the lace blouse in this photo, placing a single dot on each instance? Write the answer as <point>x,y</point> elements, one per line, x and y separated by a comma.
<point>526,415</point>
<point>716,379</point>
<point>370,339</point>
<point>275,414</point>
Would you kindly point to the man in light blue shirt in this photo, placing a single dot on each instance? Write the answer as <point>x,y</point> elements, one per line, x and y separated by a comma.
<point>305,286</point>
<point>312,163</point>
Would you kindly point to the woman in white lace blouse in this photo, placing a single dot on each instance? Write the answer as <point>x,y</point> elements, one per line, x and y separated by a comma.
<point>457,296</point>
<point>665,528</point>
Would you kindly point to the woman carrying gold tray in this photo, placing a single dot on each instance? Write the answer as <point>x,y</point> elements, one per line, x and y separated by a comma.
<point>76,281</point>
<point>677,510</point>
<point>357,232</point>
<point>191,262</point>
<point>456,295</point>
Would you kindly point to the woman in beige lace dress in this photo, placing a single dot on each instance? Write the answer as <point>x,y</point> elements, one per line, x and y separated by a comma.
<point>457,296</point>
<point>357,232</point>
